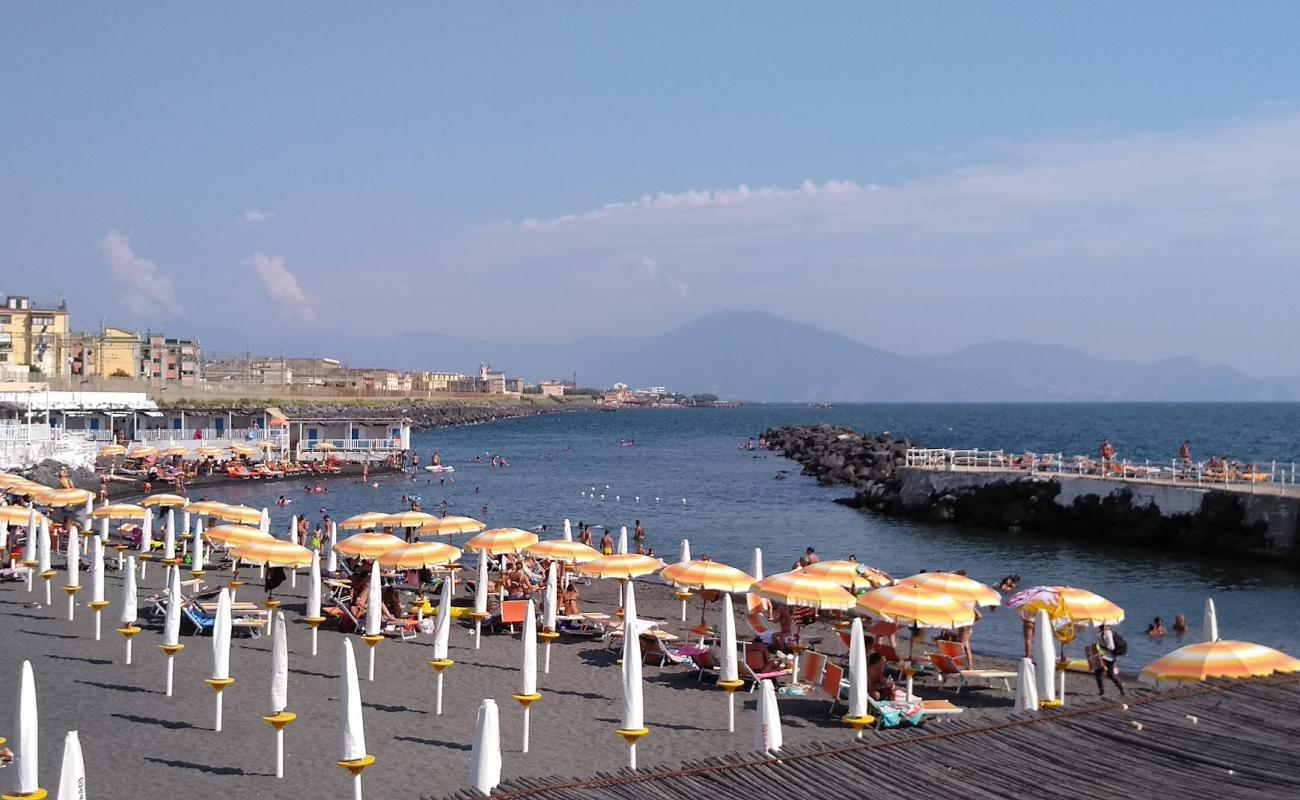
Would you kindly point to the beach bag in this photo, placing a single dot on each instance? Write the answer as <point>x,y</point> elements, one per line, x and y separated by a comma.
<point>1094,659</point>
<point>1121,646</point>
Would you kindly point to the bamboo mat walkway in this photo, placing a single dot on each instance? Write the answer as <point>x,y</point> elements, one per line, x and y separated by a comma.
<point>1224,741</point>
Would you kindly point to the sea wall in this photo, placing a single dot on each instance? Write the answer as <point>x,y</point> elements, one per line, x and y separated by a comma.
<point>1183,518</point>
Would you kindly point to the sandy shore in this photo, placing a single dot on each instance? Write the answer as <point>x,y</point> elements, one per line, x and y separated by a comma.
<point>137,738</point>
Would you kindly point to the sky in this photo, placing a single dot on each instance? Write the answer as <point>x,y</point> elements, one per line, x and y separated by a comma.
<point>1120,177</point>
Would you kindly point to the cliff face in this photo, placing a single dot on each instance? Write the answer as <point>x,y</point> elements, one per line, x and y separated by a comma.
<point>1185,519</point>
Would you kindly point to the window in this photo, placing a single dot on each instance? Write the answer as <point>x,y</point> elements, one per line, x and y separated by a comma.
<point>396,433</point>
<point>42,320</point>
<point>311,434</point>
<point>356,433</point>
<point>176,424</point>
<point>5,319</point>
<point>219,424</point>
<point>94,423</point>
<point>4,357</point>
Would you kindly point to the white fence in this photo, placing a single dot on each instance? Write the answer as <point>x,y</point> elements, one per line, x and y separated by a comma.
<point>348,449</point>
<point>23,432</point>
<point>1233,475</point>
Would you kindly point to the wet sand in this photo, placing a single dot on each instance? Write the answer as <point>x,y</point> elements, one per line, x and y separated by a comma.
<point>135,738</point>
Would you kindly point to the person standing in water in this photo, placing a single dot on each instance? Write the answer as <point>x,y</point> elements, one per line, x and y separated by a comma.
<point>607,544</point>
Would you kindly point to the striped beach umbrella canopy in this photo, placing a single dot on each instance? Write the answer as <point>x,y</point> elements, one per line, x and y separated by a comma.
<point>236,535</point>
<point>622,567</point>
<point>1066,602</point>
<point>8,479</point>
<point>208,451</point>
<point>18,515</point>
<point>420,555</point>
<point>916,605</point>
<point>501,540</point>
<point>849,574</point>
<point>1199,662</point>
<point>26,488</point>
<point>712,575</point>
<point>142,451</point>
<point>958,587</point>
<point>406,519</point>
<point>243,449</point>
<point>272,553</point>
<point>119,511</point>
<point>368,545</point>
<point>798,588</point>
<point>111,450</point>
<point>324,447</point>
<point>176,450</point>
<point>164,500</point>
<point>202,508</point>
<point>239,514</point>
<point>450,526</point>
<point>267,445</point>
<point>563,550</point>
<point>363,521</point>
<point>62,498</point>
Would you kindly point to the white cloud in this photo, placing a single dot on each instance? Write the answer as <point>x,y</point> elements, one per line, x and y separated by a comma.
<point>1140,246</point>
<point>282,285</point>
<point>145,289</point>
<point>256,216</point>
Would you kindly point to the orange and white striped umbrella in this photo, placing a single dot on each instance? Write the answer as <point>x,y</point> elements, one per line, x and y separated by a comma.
<point>958,587</point>
<point>112,450</point>
<point>243,449</point>
<point>419,555</point>
<point>916,605</point>
<point>368,545</point>
<point>707,575</point>
<point>1197,663</point>
<point>1088,608</point>
<point>8,479</point>
<point>501,540</point>
<point>267,445</point>
<point>363,521</point>
<point>240,514</point>
<point>236,535</point>
<point>119,511</point>
<point>208,451</point>
<point>798,588</point>
<point>176,450</point>
<point>849,574</point>
<point>324,447</point>
<point>25,488</point>
<point>450,526</point>
<point>62,498</point>
<point>406,519</point>
<point>165,500</point>
<point>563,550</point>
<point>142,451</point>
<point>202,508</point>
<point>272,553</point>
<point>18,515</point>
<point>625,566</point>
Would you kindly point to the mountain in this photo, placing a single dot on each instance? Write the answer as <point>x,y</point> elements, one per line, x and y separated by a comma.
<point>762,357</point>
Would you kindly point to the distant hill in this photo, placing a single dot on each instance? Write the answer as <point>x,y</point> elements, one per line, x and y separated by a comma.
<point>762,357</point>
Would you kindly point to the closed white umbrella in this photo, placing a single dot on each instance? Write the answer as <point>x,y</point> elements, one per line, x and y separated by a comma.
<point>480,599</point>
<point>27,748</point>
<point>185,524</point>
<point>728,674</point>
<point>770,738</point>
<point>485,757</point>
<point>633,712</point>
<point>129,613</point>
<point>550,601</point>
<point>72,775</point>
<point>279,718</point>
<point>169,536</point>
<point>74,570</point>
<point>221,630</point>
<point>353,756</point>
<point>97,601</point>
<point>684,594</point>
<point>172,624</point>
<point>146,540</point>
<point>1026,687</point>
<point>31,555</point>
<point>374,614</point>
<point>857,718</point>
<point>622,541</point>
<point>1210,626</point>
<point>293,537</point>
<point>1044,658</point>
<point>331,557</point>
<point>442,637</point>
<point>264,524</point>
<point>44,559</point>
<point>314,618</point>
<point>196,551</point>
<point>757,569</point>
<point>686,551</point>
<point>568,531</point>
<point>528,669</point>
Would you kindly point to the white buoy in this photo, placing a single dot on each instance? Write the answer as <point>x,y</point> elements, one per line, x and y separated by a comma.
<point>485,756</point>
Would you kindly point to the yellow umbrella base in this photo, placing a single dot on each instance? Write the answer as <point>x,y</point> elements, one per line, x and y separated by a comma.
<point>278,721</point>
<point>71,590</point>
<point>371,641</point>
<point>858,723</point>
<point>526,700</point>
<point>730,686</point>
<point>219,684</point>
<point>128,631</point>
<point>631,737</point>
<point>171,649</point>
<point>439,665</point>
<point>39,794</point>
<point>314,622</point>
<point>357,765</point>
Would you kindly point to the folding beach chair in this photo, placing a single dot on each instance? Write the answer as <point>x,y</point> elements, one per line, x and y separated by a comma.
<point>811,666</point>
<point>833,685</point>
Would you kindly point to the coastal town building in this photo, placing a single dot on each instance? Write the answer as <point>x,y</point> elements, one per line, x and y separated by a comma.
<point>33,338</point>
<point>165,361</point>
<point>552,388</point>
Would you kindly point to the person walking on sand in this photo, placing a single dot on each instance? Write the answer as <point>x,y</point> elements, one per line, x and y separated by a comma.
<point>1102,656</point>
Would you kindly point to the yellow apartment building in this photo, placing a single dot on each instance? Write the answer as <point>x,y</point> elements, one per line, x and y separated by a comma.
<point>32,336</point>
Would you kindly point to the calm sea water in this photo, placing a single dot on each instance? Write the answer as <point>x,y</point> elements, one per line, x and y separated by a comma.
<point>687,478</point>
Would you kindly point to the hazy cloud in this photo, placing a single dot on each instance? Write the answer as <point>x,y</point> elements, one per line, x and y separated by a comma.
<point>145,289</point>
<point>282,285</point>
<point>256,216</point>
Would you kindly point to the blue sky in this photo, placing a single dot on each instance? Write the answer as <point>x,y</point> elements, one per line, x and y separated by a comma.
<point>1006,172</point>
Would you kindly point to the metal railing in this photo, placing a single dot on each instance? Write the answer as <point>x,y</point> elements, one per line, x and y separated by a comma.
<point>1233,475</point>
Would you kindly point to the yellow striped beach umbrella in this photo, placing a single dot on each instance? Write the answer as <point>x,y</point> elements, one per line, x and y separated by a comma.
<point>119,511</point>
<point>798,588</point>
<point>208,451</point>
<point>267,445</point>
<point>164,500</point>
<point>368,545</point>
<point>712,575</point>
<point>916,605</point>
<point>563,550</point>
<point>406,519</point>
<point>621,566</point>
<point>18,515</point>
<point>849,574</point>
<point>420,555</point>
<point>324,447</point>
<point>26,488</point>
<point>272,553</point>
<point>501,540</point>
<point>1088,608</point>
<point>450,526</point>
<point>363,521</point>
<point>1197,663</point>
<point>112,450</point>
<point>8,479</point>
<point>243,449</point>
<point>236,535</point>
<point>239,514</point>
<point>958,587</point>
<point>202,508</point>
<point>62,498</point>
<point>176,450</point>
<point>142,451</point>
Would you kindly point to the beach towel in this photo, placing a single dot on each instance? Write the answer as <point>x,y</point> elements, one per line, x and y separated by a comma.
<point>898,713</point>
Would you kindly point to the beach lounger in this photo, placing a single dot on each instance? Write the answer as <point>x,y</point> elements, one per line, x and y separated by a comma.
<point>747,673</point>
<point>940,708</point>
<point>833,685</point>
<point>953,650</point>
<point>512,613</point>
<point>811,667</point>
<point>706,663</point>
<point>949,668</point>
<point>658,653</point>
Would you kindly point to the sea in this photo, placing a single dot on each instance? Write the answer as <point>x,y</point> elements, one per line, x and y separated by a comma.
<point>683,473</point>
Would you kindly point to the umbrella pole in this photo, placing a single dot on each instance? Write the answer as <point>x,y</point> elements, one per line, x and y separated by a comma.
<point>169,675</point>
<point>546,662</point>
<point>525,748</point>
<point>478,633</point>
<point>313,641</point>
<point>217,726</point>
<point>731,712</point>
<point>293,577</point>
<point>438,705</point>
